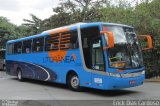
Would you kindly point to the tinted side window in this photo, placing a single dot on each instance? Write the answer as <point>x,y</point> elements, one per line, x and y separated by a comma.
<point>69,40</point>
<point>10,49</point>
<point>63,41</point>
<point>38,44</point>
<point>18,48</point>
<point>52,42</point>
<point>27,46</point>
<point>74,40</point>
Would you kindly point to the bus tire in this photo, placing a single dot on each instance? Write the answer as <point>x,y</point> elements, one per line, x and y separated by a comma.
<point>19,75</point>
<point>4,67</point>
<point>74,82</point>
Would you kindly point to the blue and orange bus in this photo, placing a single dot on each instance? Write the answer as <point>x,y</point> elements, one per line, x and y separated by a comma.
<point>96,55</point>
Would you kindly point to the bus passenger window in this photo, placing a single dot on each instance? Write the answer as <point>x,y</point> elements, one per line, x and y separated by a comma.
<point>27,50</point>
<point>74,40</point>
<point>52,42</point>
<point>17,48</point>
<point>62,41</point>
<point>65,39</point>
<point>27,46</point>
<point>38,44</point>
<point>69,40</point>
<point>10,49</point>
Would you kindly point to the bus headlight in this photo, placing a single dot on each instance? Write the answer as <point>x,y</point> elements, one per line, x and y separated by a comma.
<point>127,75</point>
<point>143,72</point>
<point>114,74</point>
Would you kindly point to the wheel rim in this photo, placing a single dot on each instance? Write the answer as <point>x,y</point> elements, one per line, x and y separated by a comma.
<point>19,75</point>
<point>74,82</point>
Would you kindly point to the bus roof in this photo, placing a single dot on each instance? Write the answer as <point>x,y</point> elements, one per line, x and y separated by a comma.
<point>71,27</point>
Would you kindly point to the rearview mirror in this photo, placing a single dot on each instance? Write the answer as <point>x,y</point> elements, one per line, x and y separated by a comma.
<point>149,41</point>
<point>109,39</point>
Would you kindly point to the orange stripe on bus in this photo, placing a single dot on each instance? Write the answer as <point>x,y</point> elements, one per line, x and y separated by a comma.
<point>57,56</point>
<point>58,31</point>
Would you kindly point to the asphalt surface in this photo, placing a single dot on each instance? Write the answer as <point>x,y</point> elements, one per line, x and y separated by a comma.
<point>44,92</point>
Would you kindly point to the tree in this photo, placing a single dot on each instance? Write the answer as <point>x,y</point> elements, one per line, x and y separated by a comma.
<point>10,31</point>
<point>7,30</point>
<point>35,24</point>
<point>148,18</point>
<point>69,12</point>
<point>144,16</point>
<point>6,25</point>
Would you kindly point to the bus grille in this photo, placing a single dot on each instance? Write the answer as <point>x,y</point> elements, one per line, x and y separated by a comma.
<point>129,75</point>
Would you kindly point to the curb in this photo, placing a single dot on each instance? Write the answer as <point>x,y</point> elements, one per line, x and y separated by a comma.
<point>152,80</point>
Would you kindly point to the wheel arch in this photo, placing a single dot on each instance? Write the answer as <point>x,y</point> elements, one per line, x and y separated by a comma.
<point>17,69</point>
<point>70,72</point>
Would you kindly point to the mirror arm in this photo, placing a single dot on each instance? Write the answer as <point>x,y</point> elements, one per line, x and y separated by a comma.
<point>149,39</point>
<point>110,39</point>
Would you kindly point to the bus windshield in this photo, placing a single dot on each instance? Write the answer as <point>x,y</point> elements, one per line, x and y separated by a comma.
<point>126,53</point>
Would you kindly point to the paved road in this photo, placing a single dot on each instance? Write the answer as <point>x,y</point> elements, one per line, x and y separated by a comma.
<point>11,88</point>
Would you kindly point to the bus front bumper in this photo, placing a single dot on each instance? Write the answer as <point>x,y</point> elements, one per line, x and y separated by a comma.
<point>114,82</point>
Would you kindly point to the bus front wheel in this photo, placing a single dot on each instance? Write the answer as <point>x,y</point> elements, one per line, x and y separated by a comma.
<point>74,82</point>
<point>19,75</point>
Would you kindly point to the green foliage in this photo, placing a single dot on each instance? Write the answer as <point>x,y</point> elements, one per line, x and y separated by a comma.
<point>10,31</point>
<point>6,28</point>
<point>68,12</point>
<point>6,25</point>
<point>34,25</point>
<point>148,22</point>
<point>145,17</point>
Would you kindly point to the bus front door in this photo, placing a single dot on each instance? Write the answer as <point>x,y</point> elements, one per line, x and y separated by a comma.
<point>98,64</point>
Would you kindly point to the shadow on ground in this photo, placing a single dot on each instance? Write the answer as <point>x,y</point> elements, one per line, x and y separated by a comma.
<point>110,93</point>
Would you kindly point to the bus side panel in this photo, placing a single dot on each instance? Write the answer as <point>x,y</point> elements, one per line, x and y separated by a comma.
<point>10,68</point>
<point>41,67</point>
<point>14,66</point>
<point>31,68</point>
<point>77,66</point>
<point>71,62</point>
<point>98,81</point>
<point>85,78</point>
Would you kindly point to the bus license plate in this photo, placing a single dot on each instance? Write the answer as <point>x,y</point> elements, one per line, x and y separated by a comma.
<point>132,82</point>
